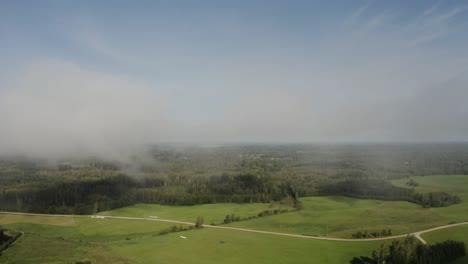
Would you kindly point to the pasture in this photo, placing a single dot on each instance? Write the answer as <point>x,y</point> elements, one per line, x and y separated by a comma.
<point>33,219</point>
<point>212,213</point>
<point>86,240</point>
<point>228,246</point>
<point>338,216</point>
<point>137,241</point>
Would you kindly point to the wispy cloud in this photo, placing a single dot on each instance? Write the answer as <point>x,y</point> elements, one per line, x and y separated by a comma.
<point>426,38</point>
<point>445,17</point>
<point>431,10</point>
<point>377,21</point>
<point>433,24</point>
<point>88,36</point>
<point>356,15</point>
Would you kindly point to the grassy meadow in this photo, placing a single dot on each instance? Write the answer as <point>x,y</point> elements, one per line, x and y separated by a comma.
<point>454,184</point>
<point>42,220</point>
<point>212,213</point>
<point>228,246</point>
<point>46,241</point>
<point>338,216</point>
<point>333,216</point>
<point>133,241</point>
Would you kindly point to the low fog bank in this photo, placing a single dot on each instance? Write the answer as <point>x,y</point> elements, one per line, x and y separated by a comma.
<point>54,110</point>
<point>58,110</point>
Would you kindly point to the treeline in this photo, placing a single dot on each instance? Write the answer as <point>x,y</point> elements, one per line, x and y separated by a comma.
<point>175,229</point>
<point>91,196</point>
<point>234,218</point>
<point>88,196</point>
<point>411,251</point>
<point>7,240</point>
<point>365,234</point>
<point>384,190</point>
<point>3,237</point>
<point>69,197</point>
<point>436,199</point>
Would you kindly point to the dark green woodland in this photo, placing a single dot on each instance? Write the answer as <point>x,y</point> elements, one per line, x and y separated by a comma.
<point>187,175</point>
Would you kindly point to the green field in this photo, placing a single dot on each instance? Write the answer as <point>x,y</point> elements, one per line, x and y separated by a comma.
<point>87,239</point>
<point>459,233</point>
<point>453,184</point>
<point>333,216</point>
<point>324,216</point>
<point>134,241</point>
<point>228,246</point>
<point>341,216</point>
<point>212,213</point>
<point>42,220</point>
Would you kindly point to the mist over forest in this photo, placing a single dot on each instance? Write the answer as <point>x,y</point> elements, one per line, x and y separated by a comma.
<point>316,129</point>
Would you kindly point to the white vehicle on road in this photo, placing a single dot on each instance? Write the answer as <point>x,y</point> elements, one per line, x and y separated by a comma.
<point>97,216</point>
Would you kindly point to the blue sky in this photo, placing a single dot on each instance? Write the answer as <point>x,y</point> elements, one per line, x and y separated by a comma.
<point>233,70</point>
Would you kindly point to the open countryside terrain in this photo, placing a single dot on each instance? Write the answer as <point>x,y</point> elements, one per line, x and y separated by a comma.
<point>333,216</point>
<point>456,184</point>
<point>68,239</point>
<point>127,241</point>
<point>6,219</point>
<point>323,132</point>
<point>339,216</point>
<point>211,213</point>
<point>48,241</point>
<point>228,246</point>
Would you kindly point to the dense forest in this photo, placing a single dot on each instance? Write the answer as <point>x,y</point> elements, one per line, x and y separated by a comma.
<point>411,251</point>
<point>185,175</point>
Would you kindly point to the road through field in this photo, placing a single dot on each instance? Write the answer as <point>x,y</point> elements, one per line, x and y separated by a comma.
<point>416,234</point>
